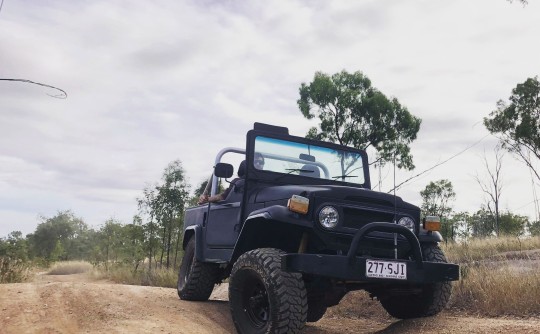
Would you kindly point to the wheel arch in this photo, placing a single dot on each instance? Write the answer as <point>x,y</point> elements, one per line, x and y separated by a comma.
<point>265,231</point>
<point>194,231</point>
<point>188,234</point>
<point>426,237</point>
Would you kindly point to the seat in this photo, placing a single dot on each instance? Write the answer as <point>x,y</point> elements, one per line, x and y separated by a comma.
<point>242,169</point>
<point>235,194</point>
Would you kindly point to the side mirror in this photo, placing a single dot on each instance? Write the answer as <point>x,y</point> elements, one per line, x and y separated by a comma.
<point>223,170</point>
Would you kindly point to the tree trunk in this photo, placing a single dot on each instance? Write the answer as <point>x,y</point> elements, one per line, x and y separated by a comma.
<point>169,238</point>
<point>162,245</point>
<point>177,246</point>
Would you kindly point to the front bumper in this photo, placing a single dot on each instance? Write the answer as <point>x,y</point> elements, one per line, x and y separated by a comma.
<point>353,268</point>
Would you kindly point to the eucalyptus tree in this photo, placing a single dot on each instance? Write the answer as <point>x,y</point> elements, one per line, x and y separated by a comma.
<point>14,246</point>
<point>354,113</point>
<point>534,228</point>
<point>111,240</point>
<point>517,123</point>
<point>512,224</point>
<point>482,223</point>
<point>146,205</point>
<point>164,204</point>
<point>436,198</point>
<point>134,246</point>
<point>493,186</point>
<point>59,237</point>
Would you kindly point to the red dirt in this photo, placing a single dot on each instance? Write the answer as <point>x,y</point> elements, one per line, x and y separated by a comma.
<point>76,304</point>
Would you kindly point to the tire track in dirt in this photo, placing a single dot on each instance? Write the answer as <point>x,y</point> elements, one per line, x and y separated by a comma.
<point>75,307</point>
<point>72,304</point>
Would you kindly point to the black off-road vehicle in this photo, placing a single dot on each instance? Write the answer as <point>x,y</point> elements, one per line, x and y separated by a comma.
<point>296,234</point>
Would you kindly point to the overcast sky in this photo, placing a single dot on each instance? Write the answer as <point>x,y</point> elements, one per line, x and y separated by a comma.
<point>150,82</point>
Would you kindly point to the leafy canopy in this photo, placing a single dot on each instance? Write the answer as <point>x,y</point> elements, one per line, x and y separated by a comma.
<point>353,113</point>
<point>59,237</point>
<point>517,124</point>
<point>164,204</point>
<point>436,198</point>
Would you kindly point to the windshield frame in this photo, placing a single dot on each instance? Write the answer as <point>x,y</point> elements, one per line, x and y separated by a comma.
<point>283,178</point>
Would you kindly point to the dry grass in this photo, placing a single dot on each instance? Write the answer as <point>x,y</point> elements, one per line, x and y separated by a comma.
<point>492,248</point>
<point>163,277</point>
<point>70,268</point>
<point>498,290</point>
<point>499,276</point>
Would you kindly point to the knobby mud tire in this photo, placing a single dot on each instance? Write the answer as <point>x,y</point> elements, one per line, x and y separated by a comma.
<point>263,298</point>
<point>430,301</point>
<point>196,279</point>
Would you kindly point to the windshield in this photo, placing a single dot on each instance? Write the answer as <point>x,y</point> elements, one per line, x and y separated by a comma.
<point>293,158</point>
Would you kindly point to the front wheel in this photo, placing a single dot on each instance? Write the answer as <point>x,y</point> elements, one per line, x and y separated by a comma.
<point>431,298</point>
<point>263,298</point>
<point>196,279</point>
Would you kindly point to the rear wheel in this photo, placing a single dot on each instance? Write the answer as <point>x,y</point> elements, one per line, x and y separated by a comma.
<point>196,279</point>
<point>431,298</point>
<point>264,299</point>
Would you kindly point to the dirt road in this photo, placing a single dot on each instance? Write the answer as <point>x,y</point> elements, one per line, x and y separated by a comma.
<point>74,304</point>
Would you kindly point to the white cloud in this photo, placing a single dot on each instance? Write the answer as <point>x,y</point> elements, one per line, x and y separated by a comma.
<point>149,83</point>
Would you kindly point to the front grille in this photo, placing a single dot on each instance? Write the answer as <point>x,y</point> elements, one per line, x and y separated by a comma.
<point>383,248</point>
<point>357,218</point>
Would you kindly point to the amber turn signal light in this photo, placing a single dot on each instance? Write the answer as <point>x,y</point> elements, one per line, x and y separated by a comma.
<point>432,223</point>
<point>298,204</point>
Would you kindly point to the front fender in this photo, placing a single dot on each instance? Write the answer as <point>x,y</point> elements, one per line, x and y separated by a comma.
<point>429,237</point>
<point>279,213</point>
<point>273,227</point>
<point>194,231</point>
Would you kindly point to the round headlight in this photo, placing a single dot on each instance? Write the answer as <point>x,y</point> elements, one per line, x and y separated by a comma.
<point>408,222</point>
<point>328,217</point>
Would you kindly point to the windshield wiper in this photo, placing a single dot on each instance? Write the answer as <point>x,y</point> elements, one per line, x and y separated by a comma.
<point>343,176</point>
<point>298,170</point>
<point>292,170</point>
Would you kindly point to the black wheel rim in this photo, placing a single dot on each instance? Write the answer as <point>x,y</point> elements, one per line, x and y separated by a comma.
<point>255,300</point>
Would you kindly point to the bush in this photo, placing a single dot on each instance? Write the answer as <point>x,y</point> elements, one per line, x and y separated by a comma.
<point>70,268</point>
<point>160,277</point>
<point>13,270</point>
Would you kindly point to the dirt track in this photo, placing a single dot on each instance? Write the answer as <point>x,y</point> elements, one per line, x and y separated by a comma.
<point>73,304</point>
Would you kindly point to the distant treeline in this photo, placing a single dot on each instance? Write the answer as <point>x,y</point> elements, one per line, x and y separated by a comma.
<point>153,237</point>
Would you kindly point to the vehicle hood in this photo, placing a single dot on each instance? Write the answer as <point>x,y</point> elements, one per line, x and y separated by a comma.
<point>333,193</point>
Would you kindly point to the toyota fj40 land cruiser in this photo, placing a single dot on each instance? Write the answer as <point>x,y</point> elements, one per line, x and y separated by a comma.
<point>296,235</point>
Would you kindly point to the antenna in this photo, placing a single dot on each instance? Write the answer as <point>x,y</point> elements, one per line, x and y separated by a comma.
<point>395,207</point>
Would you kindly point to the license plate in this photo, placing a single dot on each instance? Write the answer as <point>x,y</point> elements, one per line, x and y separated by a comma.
<point>386,269</point>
